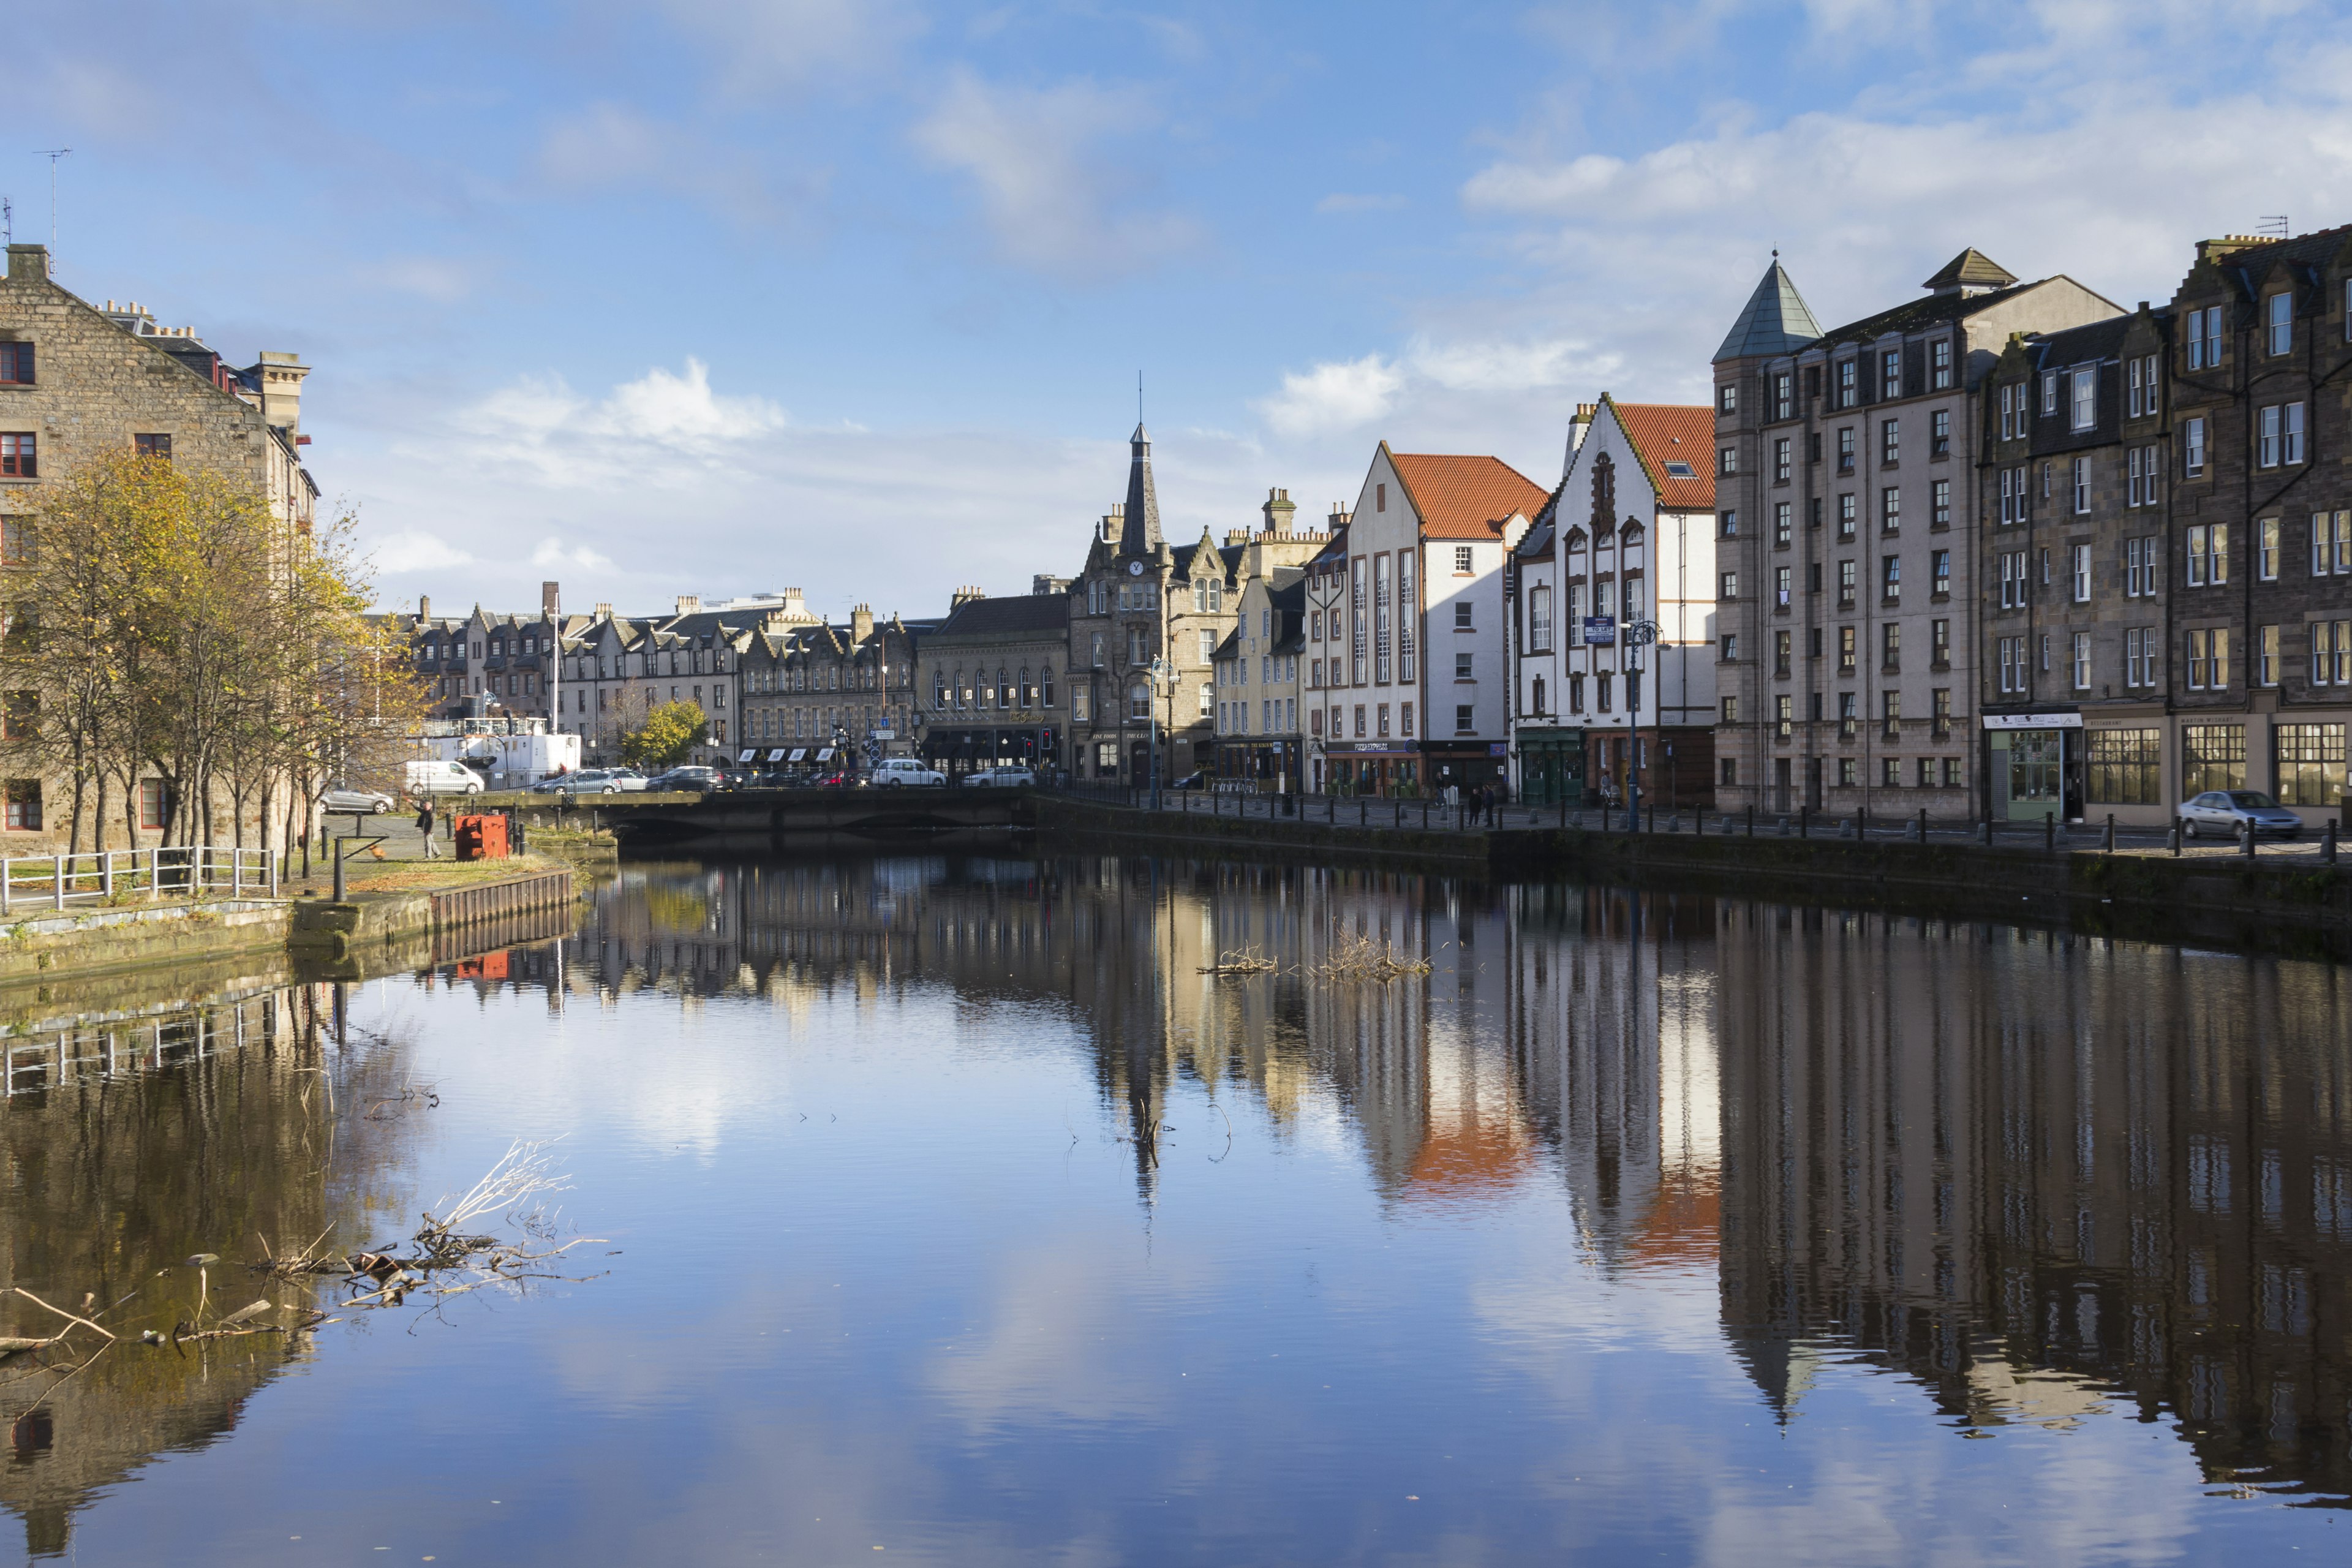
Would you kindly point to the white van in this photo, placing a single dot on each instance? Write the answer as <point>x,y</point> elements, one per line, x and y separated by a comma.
<point>442,778</point>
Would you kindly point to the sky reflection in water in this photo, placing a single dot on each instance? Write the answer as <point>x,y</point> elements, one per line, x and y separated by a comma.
<point>957,1214</point>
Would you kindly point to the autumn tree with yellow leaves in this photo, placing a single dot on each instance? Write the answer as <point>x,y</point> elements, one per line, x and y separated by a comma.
<point>163,623</point>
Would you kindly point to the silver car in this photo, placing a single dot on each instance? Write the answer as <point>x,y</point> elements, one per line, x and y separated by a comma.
<point>586,781</point>
<point>2226,812</point>
<point>374,802</point>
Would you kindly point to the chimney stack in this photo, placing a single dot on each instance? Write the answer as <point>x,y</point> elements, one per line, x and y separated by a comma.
<point>603,612</point>
<point>1278,511</point>
<point>424,606</point>
<point>963,596</point>
<point>550,600</point>
<point>688,603</point>
<point>1338,519</point>
<point>861,623</point>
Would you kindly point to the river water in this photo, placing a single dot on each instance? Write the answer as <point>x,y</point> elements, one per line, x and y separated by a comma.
<point>943,1211</point>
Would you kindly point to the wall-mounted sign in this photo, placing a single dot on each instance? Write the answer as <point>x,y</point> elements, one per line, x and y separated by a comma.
<point>1599,631</point>
<point>2033,720</point>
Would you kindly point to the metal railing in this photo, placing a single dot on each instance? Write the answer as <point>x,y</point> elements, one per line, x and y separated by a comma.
<point>186,871</point>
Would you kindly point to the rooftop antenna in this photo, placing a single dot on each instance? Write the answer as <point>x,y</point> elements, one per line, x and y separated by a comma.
<point>2277,226</point>
<point>52,154</point>
<point>1139,398</point>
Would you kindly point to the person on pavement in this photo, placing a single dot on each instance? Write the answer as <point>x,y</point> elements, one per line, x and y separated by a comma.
<point>425,826</point>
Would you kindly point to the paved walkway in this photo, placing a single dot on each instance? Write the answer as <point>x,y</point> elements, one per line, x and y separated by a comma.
<point>2081,839</point>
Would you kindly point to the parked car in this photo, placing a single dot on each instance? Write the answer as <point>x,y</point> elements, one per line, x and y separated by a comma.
<point>587,781</point>
<point>2225,813</point>
<point>629,779</point>
<point>1005,775</point>
<point>441,778</point>
<point>896,773</point>
<point>373,801</point>
<point>839,780</point>
<point>688,778</point>
<point>1192,781</point>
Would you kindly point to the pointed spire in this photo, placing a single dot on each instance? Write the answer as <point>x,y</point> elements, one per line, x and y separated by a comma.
<point>1140,530</point>
<point>1776,320</point>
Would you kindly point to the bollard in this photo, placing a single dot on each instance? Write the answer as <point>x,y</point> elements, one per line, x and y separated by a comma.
<point>1751,822</point>
<point>2050,832</point>
<point>1604,817</point>
<point>1861,823</point>
<point>1363,810</point>
<point>1400,813</point>
<point>335,846</point>
<point>2176,838</point>
<point>1563,808</point>
<point>2246,838</point>
<point>2110,845</point>
<point>1923,825</point>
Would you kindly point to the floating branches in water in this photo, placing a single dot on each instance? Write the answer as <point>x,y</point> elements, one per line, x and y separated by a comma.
<point>1358,957</point>
<point>448,1257</point>
<point>1242,961</point>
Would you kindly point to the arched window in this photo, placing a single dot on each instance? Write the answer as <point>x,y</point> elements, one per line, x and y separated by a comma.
<point>1047,678</point>
<point>1138,700</point>
<point>1028,689</point>
<point>1628,547</point>
<point>939,690</point>
<point>1004,688</point>
<point>958,688</point>
<point>1201,594</point>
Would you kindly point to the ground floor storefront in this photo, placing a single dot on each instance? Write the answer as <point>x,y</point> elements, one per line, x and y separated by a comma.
<point>959,749</point>
<point>1271,766</point>
<point>2137,766</point>
<point>1588,765</point>
<point>1383,772</point>
<point>1124,756</point>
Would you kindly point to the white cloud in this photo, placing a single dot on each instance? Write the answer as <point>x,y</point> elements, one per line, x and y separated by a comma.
<point>416,551</point>
<point>606,144</point>
<point>764,45</point>
<point>554,554</point>
<point>1334,396</point>
<point>437,279</point>
<point>1047,201</point>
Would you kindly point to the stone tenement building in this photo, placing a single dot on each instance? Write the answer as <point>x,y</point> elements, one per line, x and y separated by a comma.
<point>811,686</point>
<point>1847,483</point>
<point>992,681</point>
<point>2258,601</point>
<point>2070,578</point>
<point>78,381</point>
<point>485,665</point>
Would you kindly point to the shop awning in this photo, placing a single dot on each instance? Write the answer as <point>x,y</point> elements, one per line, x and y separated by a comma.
<point>778,755</point>
<point>798,752</point>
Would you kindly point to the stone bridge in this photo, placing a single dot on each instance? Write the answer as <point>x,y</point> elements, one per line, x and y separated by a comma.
<point>910,817</point>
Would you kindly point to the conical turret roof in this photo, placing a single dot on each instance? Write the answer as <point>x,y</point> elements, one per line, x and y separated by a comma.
<point>1139,531</point>
<point>1775,320</point>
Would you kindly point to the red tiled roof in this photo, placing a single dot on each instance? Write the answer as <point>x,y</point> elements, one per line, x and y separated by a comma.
<point>1465,497</point>
<point>1665,433</point>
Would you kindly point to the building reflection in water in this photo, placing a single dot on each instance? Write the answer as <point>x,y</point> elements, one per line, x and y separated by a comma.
<point>2041,1176</point>
<point>131,1137</point>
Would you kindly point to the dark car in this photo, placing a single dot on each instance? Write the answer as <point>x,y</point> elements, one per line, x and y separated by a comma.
<point>839,780</point>
<point>687,778</point>
<point>1192,781</point>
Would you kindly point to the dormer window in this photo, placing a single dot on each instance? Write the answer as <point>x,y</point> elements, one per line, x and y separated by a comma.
<point>1939,365</point>
<point>2086,398</point>
<point>1848,383</point>
<point>1890,373</point>
<point>2281,322</point>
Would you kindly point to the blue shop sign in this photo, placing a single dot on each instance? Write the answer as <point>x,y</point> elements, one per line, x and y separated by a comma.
<point>1599,631</point>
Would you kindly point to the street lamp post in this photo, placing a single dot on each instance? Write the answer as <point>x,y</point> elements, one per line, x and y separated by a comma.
<point>1161,674</point>
<point>1638,635</point>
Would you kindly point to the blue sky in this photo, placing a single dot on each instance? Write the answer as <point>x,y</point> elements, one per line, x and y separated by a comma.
<point>674,297</point>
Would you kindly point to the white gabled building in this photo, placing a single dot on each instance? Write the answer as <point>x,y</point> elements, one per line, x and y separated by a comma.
<point>1416,691</point>
<point>1629,536</point>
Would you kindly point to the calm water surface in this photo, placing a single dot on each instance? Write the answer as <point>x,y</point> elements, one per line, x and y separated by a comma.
<point>952,1216</point>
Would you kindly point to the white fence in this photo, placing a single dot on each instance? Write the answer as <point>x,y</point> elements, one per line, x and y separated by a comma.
<point>194,870</point>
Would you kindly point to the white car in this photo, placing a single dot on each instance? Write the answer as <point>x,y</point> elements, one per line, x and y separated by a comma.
<point>373,802</point>
<point>1006,775</point>
<point>896,773</point>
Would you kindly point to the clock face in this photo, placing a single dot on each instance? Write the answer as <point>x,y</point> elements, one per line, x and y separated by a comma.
<point>1135,568</point>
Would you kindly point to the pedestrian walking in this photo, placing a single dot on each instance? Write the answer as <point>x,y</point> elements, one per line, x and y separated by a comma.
<point>425,826</point>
